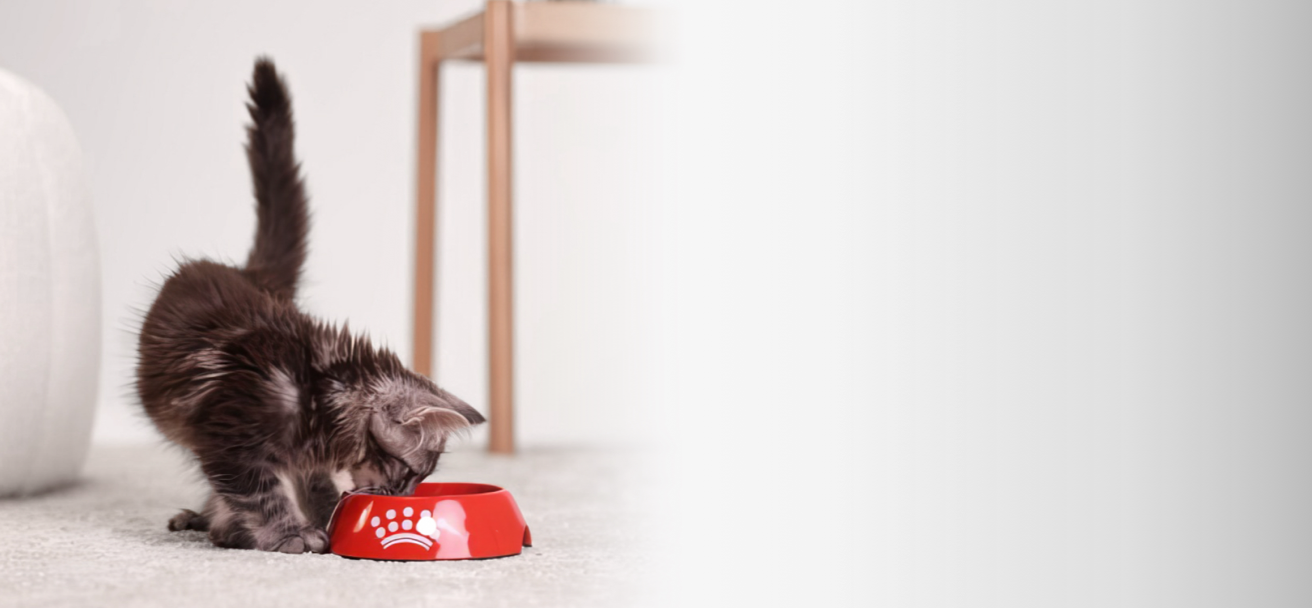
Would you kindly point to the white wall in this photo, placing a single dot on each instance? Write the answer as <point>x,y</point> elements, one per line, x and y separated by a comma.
<point>995,303</point>
<point>156,93</point>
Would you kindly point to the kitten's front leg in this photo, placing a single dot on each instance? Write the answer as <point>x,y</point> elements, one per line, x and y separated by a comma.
<point>321,498</point>
<point>258,509</point>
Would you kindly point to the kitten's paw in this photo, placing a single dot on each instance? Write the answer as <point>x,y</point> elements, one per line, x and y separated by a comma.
<point>316,540</point>
<point>187,519</point>
<point>291,544</point>
<point>312,540</point>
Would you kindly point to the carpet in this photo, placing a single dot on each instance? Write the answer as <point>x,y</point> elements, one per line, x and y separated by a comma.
<point>103,542</point>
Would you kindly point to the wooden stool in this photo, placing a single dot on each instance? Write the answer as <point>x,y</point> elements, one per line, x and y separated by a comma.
<point>505,32</point>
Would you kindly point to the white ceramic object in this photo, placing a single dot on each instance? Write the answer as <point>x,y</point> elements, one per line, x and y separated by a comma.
<point>49,295</point>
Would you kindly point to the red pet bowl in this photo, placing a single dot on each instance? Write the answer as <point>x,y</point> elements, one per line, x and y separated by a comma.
<point>439,521</point>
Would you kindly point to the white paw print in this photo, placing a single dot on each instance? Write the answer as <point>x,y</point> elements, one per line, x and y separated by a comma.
<point>389,524</point>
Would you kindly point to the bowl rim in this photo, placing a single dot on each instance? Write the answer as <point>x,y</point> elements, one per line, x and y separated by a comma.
<point>484,489</point>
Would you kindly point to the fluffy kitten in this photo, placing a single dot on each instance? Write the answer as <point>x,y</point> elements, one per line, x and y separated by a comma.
<point>282,411</point>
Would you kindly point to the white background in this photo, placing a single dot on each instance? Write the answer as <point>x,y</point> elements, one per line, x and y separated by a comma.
<point>954,304</point>
<point>1011,298</point>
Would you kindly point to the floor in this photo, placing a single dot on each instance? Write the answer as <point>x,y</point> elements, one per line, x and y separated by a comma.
<point>103,542</point>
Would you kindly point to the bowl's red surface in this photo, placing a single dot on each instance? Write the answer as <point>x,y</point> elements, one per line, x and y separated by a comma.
<point>439,521</point>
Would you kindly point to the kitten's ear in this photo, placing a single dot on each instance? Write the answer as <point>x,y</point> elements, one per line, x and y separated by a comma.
<point>453,403</point>
<point>441,417</point>
<point>436,420</point>
<point>422,426</point>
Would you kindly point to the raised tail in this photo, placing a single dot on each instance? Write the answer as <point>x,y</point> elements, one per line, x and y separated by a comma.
<point>279,251</point>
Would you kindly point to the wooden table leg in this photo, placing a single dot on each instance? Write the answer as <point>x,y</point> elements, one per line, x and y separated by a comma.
<point>498,54</point>
<point>426,202</point>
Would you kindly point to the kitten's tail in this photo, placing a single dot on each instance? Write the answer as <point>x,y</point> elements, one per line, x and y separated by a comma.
<point>279,252</point>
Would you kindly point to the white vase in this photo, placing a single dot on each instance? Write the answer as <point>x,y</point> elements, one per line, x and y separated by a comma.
<point>49,295</point>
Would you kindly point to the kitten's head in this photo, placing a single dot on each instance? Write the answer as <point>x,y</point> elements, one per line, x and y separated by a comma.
<point>408,422</point>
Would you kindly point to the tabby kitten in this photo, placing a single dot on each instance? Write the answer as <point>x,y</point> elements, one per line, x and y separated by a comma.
<point>283,412</point>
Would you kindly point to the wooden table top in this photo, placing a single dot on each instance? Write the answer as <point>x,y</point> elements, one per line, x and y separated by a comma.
<point>561,32</point>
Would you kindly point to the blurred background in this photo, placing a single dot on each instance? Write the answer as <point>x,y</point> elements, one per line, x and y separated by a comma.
<point>933,303</point>
<point>156,94</point>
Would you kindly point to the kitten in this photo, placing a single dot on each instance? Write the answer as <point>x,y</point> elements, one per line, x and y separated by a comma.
<point>282,411</point>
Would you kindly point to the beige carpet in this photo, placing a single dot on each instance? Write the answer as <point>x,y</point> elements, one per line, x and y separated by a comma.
<point>103,542</point>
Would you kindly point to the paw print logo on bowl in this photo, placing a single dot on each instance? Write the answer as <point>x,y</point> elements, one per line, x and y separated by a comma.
<point>405,529</point>
<point>439,521</point>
